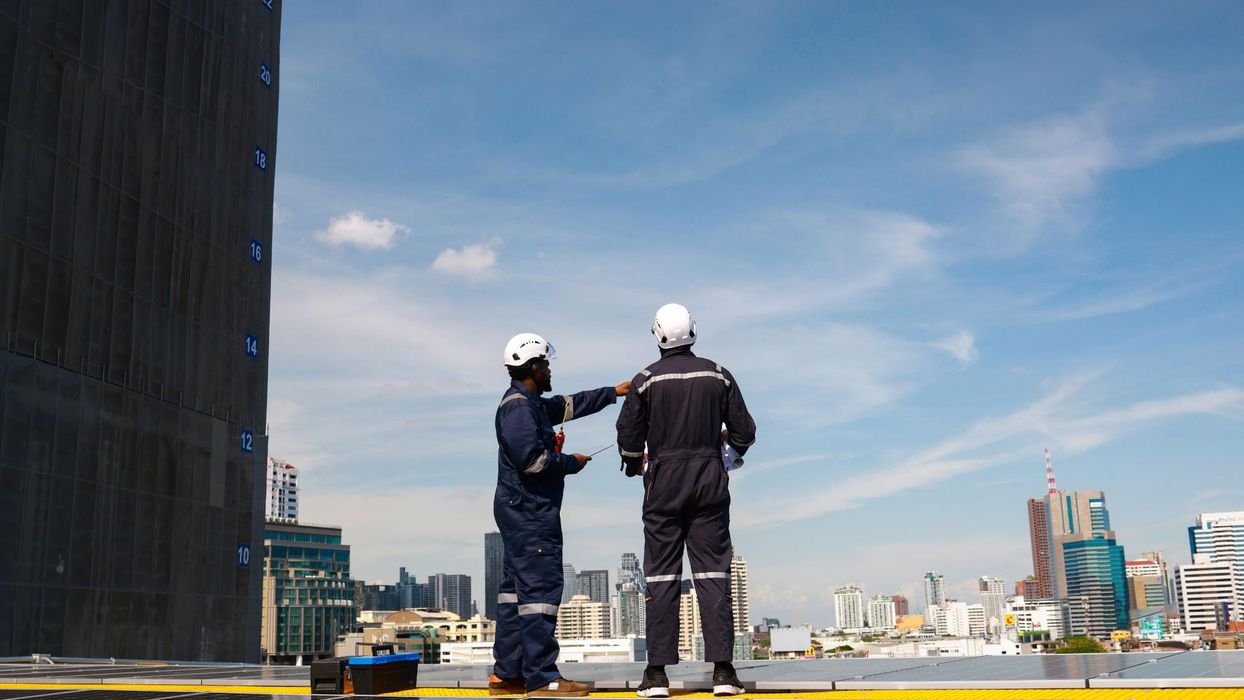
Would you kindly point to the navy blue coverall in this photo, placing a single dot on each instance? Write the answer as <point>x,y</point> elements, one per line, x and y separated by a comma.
<point>527,507</point>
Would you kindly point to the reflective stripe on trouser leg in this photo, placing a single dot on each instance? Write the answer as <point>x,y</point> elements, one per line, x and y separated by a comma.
<point>507,647</point>
<point>663,541</point>
<point>709,550</point>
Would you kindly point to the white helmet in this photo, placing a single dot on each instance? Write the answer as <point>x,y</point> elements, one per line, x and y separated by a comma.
<point>673,326</point>
<point>525,347</point>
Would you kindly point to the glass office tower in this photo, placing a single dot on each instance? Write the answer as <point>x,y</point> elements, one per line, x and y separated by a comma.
<point>138,139</point>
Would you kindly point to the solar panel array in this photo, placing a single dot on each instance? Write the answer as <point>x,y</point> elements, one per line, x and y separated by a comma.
<point>1193,669</point>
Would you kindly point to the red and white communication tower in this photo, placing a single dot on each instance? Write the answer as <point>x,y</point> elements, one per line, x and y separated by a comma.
<point>1049,473</point>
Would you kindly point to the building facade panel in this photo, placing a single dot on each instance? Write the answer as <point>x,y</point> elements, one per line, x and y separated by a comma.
<point>129,199</point>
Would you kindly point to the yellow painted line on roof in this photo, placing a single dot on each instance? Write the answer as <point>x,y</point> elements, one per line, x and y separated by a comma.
<point>949,694</point>
<point>145,687</point>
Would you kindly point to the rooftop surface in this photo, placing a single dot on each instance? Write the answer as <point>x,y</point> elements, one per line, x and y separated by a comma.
<point>1152,676</point>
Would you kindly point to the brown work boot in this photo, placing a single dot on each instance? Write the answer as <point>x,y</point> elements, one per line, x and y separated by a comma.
<point>502,686</point>
<point>560,688</point>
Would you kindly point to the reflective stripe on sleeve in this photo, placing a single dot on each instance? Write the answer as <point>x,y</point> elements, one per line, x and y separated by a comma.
<point>662,578</point>
<point>683,375</point>
<point>503,598</point>
<point>630,454</point>
<point>711,574</point>
<point>511,397</point>
<point>569,414</point>
<point>538,464</point>
<point>537,609</point>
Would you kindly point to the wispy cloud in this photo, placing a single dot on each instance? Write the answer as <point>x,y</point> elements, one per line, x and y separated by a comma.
<point>961,346</point>
<point>1002,440</point>
<point>1040,172</point>
<point>473,260</point>
<point>356,229</point>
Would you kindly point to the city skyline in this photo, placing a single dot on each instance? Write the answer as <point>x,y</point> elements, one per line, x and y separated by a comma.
<point>922,267</point>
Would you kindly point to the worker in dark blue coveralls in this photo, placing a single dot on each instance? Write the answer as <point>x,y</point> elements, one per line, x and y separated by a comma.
<point>531,474</point>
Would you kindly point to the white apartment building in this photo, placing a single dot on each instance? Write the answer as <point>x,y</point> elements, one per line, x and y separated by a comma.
<point>1202,589</point>
<point>1220,538</point>
<point>629,614</point>
<point>281,499</point>
<point>849,607</point>
<point>881,612</point>
<point>953,618</point>
<point>688,622</point>
<point>978,624</point>
<point>739,592</point>
<point>993,598</point>
<point>583,618</point>
<point>1053,616</point>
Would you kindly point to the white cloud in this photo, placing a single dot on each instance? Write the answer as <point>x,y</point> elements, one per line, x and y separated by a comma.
<point>474,260</point>
<point>961,346</point>
<point>361,232</point>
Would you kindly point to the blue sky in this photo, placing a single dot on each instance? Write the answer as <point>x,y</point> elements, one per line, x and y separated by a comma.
<point>928,240</point>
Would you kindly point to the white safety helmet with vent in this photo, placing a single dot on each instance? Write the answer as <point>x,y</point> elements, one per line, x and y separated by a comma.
<point>525,347</point>
<point>673,326</point>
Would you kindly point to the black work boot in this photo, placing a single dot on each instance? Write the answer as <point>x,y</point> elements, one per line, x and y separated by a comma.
<point>725,680</point>
<point>655,683</point>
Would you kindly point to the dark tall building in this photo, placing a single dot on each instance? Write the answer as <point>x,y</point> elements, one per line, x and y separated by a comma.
<point>451,592</point>
<point>494,564</point>
<point>138,139</point>
<point>594,583</point>
<point>1039,538</point>
<point>380,596</point>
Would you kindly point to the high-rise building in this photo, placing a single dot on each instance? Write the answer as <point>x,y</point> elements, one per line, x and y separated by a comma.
<point>629,615</point>
<point>135,227</point>
<point>1206,594</point>
<point>494,567</point>
<point>1087,563</point>
<point>849,608</point>
<point>1095,581</point>
<point>451,592</point>
<point>740,595</point>
<point>594,583</point>
<point>282,490</point>
<point>1220,538</point>
<point>1072,513</point>
<point>630,572</point>
<point>308,595</point>
<point>583,618</point>
<point>901,606</point>
<point>934,589</point>
<point>881,612</point>
<point>993,598</point>
<point>1039,539</point>
<point>570,583</point>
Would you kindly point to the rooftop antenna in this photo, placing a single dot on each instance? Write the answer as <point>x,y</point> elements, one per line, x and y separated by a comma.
<point>1049,473</point>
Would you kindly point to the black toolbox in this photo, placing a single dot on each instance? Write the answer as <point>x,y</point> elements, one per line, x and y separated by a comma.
<point>328,676</point>
<point>374,675</point>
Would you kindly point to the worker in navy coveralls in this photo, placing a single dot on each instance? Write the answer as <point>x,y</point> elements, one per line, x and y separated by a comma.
<point>531,474</point>
<point>675,413</point>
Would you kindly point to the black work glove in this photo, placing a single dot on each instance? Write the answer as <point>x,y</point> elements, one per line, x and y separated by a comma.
<point>633,467</point>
